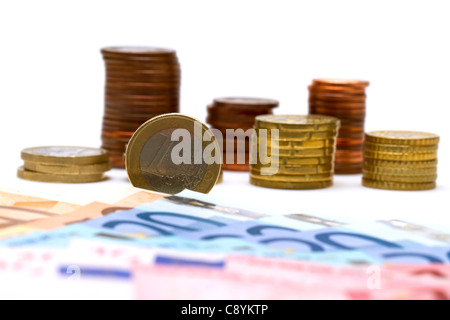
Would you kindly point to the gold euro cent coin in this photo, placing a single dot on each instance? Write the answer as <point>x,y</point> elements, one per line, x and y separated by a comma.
<point>297,122</point>
<point>398,185</point>
<point>399,178</point>
<point>398,156</point>
<point>317,152</point>
<point>296,145</point>
<point>294,178</point>
<point>58,178</point>
<point>299,136</point>
<point>290,185</point>
<point>394,164</point>
<point>401,171</point>
<point>65,155</point>
<point>412,138</point>
<point>293,170</point>
<point>392,148</point>
<point>67,169</point>
<point>269,160</point>
<point>173,152</point>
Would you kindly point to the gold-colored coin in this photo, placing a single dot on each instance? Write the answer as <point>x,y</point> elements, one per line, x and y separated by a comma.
<point>294,178</point>
<point>398,185</point>
<point>401,171</point>
<point>398,178</point>
<point>292,144</point>
<point>305,153</point>
<point>267,161</point>
<point>294,170</point>
<point>412,138</point>
<point>300,135</point>
<point>59,178</point>
<point>400,156</point>
<point>65,155</point>
<point>296,123</point>
<point>290,185</point>
<point>298,145</point>
<point>378,147</point>
<point>67,169</point>
<point>401,164</point>
<point>173,152</point>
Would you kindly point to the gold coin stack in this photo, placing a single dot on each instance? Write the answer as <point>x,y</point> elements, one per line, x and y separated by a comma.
<point>300,156</point>
<point>400,160</point>
<point>64,164</point>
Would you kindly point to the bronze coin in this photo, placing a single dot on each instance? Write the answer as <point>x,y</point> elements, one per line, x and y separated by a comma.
<point>337,104</point>
<point>349,142</point>
<point>143,64</point>
<point>129,71</point>
<point>141,97</point>
<point>358,147</point>
<point>333,97</point>
<point>127,117</point>
<point>138,51</point>
<point>140,59</point>
<point>347,168</point>
<point>235,167</point>
<point>117,134</point>
<point>337,90</point>
<point>349,156</point>
<point>342,83</point>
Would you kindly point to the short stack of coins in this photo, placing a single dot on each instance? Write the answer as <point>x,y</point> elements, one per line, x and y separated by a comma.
<point>141,82</point>
<point>400,160</point>
<point>301,156</point>
<point>236,113</point>
<point>64,164</point>
<point>345,100</point>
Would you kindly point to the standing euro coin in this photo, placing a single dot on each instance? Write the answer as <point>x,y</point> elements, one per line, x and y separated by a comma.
<point>171,153</point>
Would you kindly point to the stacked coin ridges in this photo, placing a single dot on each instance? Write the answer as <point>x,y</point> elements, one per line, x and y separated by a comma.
<point>64,164</point>
<point>400,160</point>
<point>345,100</point>
<point>298,152</point>
<point>141,82</point>
<point>236,113</point>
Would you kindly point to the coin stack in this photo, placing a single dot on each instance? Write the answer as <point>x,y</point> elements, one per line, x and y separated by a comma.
<point>141,82</point>
<point>400,160</point>
<point>236,113</point>
<point>345,100</point>
<point>64,164</point>
<point>302,155</point>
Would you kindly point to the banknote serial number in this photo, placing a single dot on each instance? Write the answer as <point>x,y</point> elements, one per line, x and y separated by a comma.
<point>234,309</point>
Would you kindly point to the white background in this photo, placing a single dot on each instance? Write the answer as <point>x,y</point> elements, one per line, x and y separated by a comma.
<point>52,78</point>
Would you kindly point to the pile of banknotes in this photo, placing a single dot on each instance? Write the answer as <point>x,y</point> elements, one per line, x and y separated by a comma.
<point>151,246</point>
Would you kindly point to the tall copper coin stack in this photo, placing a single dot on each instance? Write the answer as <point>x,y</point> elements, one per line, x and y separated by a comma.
<point>299,154</point>
<point>400,160</point>
<point>141,82</point>
<point>345,100</point>
<point>237,113</point>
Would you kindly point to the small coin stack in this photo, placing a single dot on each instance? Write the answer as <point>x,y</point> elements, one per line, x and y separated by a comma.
<point>345,100</point>
<point>302,155</point>
<point>64,164</point>
<point>141,82</point>
<point>400,160</point>
<point>236,113</point>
